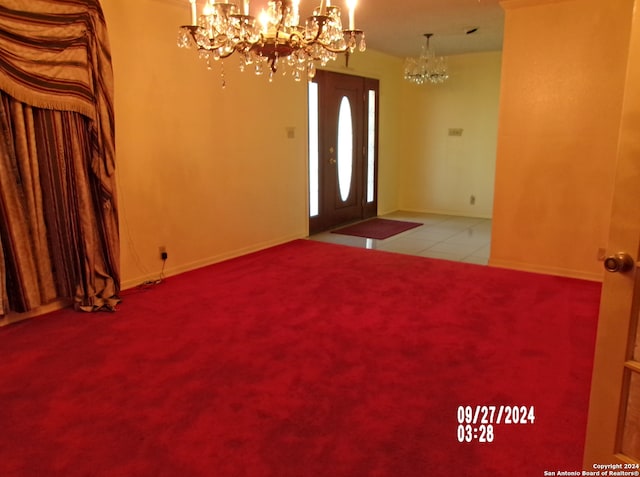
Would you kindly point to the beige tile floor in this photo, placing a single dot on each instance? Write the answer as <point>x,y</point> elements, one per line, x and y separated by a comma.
<point>462,239</point>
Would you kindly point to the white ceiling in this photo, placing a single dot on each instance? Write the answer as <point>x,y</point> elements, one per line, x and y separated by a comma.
<point>397,27</point>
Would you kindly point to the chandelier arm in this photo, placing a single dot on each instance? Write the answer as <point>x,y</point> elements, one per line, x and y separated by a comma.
<point>334,50</point>
<point>222,56</point>
<point>211,46</point>
<point>322,21</point>
<point>297,38</point>
<point>328,47</point>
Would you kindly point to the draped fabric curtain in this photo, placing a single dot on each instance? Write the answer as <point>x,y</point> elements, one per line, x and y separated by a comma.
<point>58,209</point>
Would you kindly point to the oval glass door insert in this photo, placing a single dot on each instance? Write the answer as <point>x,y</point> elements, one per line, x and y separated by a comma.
<point>345,148</point>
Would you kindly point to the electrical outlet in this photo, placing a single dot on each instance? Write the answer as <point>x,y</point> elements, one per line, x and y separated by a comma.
<point>163,252</point>
<point>472,200</point>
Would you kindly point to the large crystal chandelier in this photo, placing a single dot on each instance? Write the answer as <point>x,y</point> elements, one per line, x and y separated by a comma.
<point>427,67</point>
<point>276,40</point>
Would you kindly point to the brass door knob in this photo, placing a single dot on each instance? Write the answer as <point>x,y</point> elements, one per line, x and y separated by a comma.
<point>620,262</point>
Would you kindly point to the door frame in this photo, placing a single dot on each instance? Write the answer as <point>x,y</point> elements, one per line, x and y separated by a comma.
<point>362,151</point>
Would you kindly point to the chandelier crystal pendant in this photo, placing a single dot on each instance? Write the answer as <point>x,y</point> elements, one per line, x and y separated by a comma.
<point>276,40</point>
<point>427,67</point>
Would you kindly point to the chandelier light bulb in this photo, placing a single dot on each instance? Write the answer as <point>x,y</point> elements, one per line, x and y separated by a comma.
<point>264,21</point>
<point>194,13</point>
<point>351,5</point>
<point>295,20</point>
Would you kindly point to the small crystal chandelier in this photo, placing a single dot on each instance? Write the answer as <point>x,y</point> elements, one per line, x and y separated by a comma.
<point>427,67</point>
<point>276,40</point>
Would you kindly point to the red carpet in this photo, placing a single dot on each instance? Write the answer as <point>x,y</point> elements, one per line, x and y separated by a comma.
<point>307,359</point>
<point>379,229</point>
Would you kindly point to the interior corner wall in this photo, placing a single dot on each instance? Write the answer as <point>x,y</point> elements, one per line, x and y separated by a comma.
<point>448,174</point>
<point>209,172</point>
<point>563,72</point>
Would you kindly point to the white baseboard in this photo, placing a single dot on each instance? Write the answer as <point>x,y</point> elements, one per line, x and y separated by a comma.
<point>556,271</point>
<point>440,212</point>
<point>170,271</point>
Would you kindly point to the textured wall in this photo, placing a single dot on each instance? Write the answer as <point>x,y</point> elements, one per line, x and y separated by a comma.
<point>563,70</point>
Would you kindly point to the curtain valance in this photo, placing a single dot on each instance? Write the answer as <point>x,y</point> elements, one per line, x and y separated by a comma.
<point>54,54</point>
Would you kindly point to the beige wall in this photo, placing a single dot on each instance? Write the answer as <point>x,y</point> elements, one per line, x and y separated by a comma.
<point>563,72</point>
<point>207,172</point>
<point>439,172</point>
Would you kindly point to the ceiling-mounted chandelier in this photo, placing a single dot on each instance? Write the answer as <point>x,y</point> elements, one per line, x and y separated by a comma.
<point>276,40</point>
<point>427,67</point>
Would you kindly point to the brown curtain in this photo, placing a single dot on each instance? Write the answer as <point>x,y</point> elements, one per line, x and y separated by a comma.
<point>58,208</point>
